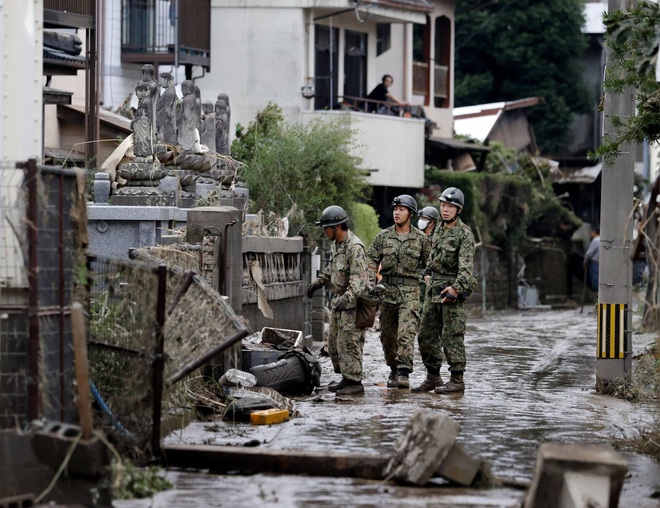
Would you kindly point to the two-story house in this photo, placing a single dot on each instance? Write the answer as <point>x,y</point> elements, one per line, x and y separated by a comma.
<point>312,58</point>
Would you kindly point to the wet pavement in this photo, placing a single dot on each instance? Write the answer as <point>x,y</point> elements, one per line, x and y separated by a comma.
<point>530,379</point>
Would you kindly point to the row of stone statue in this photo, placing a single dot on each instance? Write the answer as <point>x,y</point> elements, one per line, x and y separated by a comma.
<point>167,128</point>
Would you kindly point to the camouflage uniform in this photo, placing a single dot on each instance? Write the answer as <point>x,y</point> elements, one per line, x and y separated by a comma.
<point>451,263</point>
<point>402,262</point>
<point>347,273</point>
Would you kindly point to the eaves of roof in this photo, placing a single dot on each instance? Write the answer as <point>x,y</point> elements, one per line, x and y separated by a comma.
<point>457,144</point>
<point>408,5</point>
<point>57,56</point>
<point>493,108</point>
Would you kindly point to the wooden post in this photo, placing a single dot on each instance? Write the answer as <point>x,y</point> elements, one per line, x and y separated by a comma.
<point>82,369</point>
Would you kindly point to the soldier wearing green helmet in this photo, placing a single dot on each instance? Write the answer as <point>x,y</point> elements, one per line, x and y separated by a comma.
<point>399,254</point>
<point>347,274</point>
<point>449,271</point>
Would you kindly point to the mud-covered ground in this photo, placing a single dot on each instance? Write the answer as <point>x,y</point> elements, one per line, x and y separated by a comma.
<point>530,379</point>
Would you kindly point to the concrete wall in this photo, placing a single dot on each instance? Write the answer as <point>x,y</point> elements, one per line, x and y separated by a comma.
<point>392,148</point>
<point>258,55</point>
<point>113,230</point>
<point>285,275</point>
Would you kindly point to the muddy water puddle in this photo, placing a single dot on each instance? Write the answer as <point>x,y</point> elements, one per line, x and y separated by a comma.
<point>530,379</point>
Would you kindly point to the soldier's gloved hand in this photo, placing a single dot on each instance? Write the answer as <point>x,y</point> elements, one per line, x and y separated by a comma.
<point>313,287</point>
<point>342,303</point>
<point>447,296</point>
<point>379,290</point>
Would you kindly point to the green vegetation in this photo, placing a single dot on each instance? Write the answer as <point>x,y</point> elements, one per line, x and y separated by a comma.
<point>504,208</point>
<point>512,50</point>
<point>364,222</point>
<point>633,39</point>
<point>132,482</point>
<point>296,170</point>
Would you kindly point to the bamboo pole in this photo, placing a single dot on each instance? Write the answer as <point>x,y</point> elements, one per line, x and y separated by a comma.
<point>82,369</point>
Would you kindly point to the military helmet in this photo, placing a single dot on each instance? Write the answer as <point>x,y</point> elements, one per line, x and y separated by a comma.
<point>430,212</point>
<point>332,216</point>
<point>453,196</point>
<point>407,201</point>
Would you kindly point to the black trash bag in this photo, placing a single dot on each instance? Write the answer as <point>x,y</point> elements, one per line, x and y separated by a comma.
<point>295,372</point>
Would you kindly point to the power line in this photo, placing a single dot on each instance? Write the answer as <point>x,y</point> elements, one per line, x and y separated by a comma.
<point>483,25</point>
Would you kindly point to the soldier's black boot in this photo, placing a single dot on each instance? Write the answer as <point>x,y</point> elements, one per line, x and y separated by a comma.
<point>351,388</point>
<point>392,378</point>
<point>333,387</point>
<point>402,380</point>
<point>432,381</point>
<point>454,385</point>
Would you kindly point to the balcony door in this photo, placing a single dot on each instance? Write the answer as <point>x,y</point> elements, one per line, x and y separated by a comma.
<point>325,69</point>
<point>355,64</point>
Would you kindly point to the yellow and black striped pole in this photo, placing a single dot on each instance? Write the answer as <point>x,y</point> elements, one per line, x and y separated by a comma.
<point>612,330</point>
<point>614,355</point>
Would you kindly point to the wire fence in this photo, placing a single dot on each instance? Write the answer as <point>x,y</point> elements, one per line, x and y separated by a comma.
<point>40,239</point>
<point>151,323</point>
<point>150,326</point>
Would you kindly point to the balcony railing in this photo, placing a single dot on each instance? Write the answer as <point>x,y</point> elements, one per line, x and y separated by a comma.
<point>149,32</point>
<point>69,13</point>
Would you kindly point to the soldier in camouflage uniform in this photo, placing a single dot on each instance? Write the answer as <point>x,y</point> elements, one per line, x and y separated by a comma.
<point>428,219</point>
<point>450,273</point>
<point>347,273</point>
<point>400,251</point>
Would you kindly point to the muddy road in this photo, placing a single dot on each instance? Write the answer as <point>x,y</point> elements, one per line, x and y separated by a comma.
<point>530,379</point>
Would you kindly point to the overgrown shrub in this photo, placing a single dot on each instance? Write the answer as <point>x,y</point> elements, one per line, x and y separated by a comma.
<point>364,220</point>
<point>503,208</point>
<point>298,169</point>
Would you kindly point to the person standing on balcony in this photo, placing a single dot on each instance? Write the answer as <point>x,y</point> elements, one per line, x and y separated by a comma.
<point>449,271</point>
<point>347,274</point>
<point>401,252</point>
<point>382,93</point>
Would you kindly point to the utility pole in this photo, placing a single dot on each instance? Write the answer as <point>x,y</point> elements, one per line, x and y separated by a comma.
<point>614,336</point>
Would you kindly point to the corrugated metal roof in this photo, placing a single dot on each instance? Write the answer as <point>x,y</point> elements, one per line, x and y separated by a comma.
<point>478,121</point>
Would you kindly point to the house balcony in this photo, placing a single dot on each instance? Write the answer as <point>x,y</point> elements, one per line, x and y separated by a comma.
<point>69,13</point>
<point>161,33</point>
<point>392,147</point>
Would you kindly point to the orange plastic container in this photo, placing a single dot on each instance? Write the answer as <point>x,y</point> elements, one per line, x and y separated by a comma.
<point>269,416</point>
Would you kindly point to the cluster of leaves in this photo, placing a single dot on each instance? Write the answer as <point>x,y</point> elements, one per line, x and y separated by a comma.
<point>299,167</point>
<point>512,50</point>
<point>364,222</point>
<point>132,482</point>
<point>511,200</point>
<point>632,39</point>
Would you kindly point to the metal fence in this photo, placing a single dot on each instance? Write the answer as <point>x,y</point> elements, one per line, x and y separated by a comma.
<point>150,326</point>
<point>39,240</point>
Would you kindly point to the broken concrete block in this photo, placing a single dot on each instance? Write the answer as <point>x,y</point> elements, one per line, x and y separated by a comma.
<point>425,443</point>
<point>573,475</point>
<point>458,466</point>
<point>51,446</point>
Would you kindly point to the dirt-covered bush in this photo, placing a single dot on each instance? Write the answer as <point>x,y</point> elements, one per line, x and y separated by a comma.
<point>303,167</point>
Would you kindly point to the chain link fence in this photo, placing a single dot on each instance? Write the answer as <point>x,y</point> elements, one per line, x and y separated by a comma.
<point>42,230</point>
